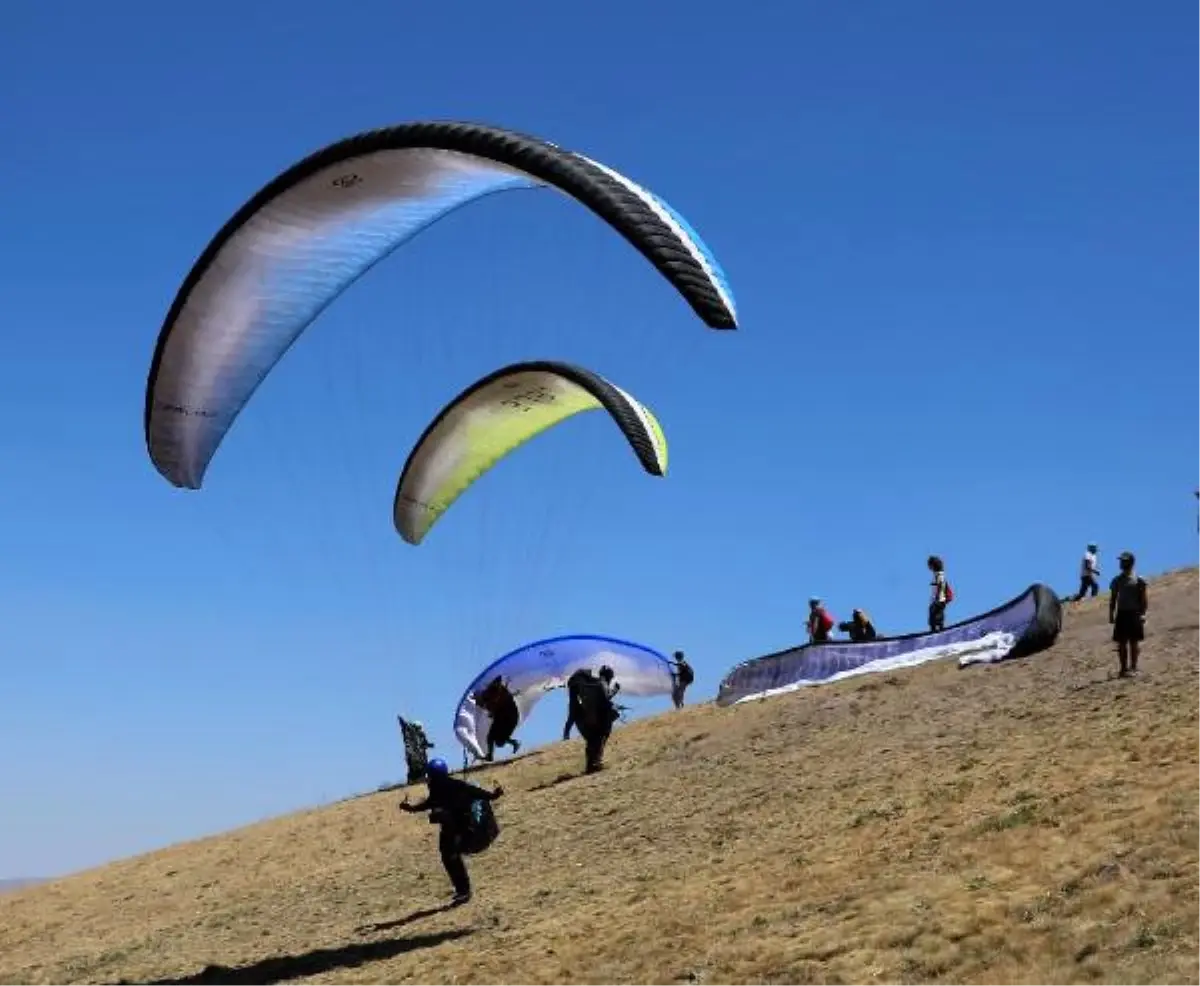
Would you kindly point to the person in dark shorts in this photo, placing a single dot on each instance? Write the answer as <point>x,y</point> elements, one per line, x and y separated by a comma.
<point>1089,574</point>
<point>1127,605</point>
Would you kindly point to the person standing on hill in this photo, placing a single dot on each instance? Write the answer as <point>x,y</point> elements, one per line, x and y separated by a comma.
<point>820,623</point>
<point>1128,602</point>
<point>682,675</point>
<point>590,709</point>
<point>467,822</point>
<point>941,595</point>
<point>1089,573</point>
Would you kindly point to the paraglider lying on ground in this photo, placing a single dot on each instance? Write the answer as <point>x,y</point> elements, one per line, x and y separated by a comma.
<point>545,665</point>
<point>1022,626</point>
<point>495,416</point>
<point>317,227</point>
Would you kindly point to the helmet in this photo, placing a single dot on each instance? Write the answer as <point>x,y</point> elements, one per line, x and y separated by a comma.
<point>437,766</point>
<point>814,600</point>
<point>606,672</point>
<point>1092,546</point>
<point>416,723</point>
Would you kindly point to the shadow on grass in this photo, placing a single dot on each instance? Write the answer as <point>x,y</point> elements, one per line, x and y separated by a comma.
<point>320,960</point>
<point>1111,678</point>
<point>481,765</point>
<point>560,779</point>
<point>428,912</point>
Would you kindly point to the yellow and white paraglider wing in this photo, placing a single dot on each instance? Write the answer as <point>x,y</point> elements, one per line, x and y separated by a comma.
<point>316,228</point>
<point>498,414</point>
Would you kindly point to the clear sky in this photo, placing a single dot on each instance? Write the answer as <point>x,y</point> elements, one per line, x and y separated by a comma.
<point>962,238</point>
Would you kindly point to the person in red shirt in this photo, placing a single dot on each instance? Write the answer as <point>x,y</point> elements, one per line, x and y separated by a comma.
<point>820,623</point>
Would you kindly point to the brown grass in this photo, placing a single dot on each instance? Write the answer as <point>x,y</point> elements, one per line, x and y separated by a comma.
<point>1026,823</point>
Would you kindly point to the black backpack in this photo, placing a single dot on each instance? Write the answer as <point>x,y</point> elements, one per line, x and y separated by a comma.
<point>481,828</point>
<point>595,707</point>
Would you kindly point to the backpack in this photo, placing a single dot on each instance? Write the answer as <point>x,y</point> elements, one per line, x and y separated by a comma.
<point>594,707</point>
<point>949,592</point>
<point>481,828</point>
<point>826,621</point>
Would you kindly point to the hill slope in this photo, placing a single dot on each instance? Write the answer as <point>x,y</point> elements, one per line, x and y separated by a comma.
<point>1024,823</point>
<point>16,883</point>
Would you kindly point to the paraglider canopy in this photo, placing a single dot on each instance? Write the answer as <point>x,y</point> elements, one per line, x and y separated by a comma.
<point>316,228</point>
<point>545,665</point>
<point>495,416</point>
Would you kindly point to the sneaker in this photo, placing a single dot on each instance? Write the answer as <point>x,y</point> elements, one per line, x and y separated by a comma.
<point>460,898</point>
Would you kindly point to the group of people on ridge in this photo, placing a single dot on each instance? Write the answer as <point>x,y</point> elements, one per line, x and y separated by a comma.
<point>463,810</point>
<point>1128,604</point>
<point>859,627</point>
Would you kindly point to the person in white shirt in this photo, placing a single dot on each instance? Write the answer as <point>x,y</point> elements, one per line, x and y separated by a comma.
<point>1089,573</point>
<point>939,594</point>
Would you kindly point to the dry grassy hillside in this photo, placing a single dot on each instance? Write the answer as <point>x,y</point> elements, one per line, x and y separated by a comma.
<point>1026,823</point>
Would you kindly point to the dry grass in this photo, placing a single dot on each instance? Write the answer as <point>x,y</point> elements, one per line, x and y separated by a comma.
<point>1026,823</point>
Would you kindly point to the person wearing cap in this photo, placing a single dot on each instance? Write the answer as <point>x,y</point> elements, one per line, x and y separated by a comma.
<point>1128,602</point>
<point>467,825</point>
<point>1089,573</point>
<point>820,623</point>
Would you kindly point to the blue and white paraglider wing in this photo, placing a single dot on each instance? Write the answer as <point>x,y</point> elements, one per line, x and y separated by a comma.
<point>1025,625</point>
<point>545,665</point>
<point>319,226</point>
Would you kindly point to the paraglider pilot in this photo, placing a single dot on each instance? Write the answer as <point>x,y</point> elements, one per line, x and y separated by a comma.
<point>467,822</point>
<point>590,708</point>
<point>501,706</point>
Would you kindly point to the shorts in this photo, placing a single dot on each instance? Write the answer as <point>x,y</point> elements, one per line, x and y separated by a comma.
<point>1128,627</point>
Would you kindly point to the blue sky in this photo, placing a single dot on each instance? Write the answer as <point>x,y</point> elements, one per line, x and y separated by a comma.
<point>963,242</point>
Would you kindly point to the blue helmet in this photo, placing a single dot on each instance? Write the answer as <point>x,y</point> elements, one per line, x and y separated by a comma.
<point>437,766</point>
